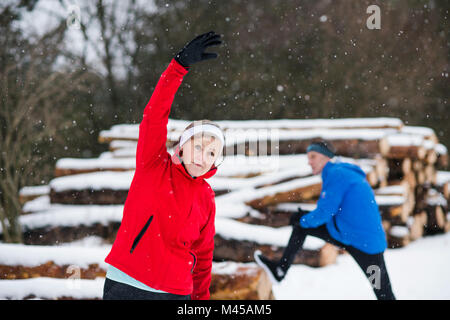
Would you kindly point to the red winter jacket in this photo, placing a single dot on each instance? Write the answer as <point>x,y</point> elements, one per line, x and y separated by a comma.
<point>166,236</point>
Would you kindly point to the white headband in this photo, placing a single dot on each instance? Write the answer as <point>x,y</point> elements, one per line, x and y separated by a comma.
<point>207,128</point>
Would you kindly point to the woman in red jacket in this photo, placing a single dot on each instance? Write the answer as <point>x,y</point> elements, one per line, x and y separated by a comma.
<point>164,246</point>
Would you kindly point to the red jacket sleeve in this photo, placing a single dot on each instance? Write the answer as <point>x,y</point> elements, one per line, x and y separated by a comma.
<point>203,248</point>
<point>153,128</point>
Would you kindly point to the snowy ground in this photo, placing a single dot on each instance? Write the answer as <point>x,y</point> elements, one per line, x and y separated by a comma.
<point>420,270</point>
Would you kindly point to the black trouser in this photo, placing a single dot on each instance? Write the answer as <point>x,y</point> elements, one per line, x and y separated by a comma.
<point>114,290</point>
<point>372,265</point>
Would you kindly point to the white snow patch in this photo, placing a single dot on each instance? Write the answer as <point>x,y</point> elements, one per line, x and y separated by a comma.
<point>95,180</point>
<point>399,231</point>
<point>51,288</point>
<point>27,255</point>
<point>34,190</point>
<point>96,163</point>
<point>442,177</point>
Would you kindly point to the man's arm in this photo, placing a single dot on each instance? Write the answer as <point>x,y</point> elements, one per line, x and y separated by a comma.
<point>153,128</point>
<point>330,199</point>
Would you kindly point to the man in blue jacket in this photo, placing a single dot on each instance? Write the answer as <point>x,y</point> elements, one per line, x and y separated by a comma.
<point>346,216</point>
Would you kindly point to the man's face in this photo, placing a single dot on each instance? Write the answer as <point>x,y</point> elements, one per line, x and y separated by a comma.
<point>200,153</point>
<point>317,161</point>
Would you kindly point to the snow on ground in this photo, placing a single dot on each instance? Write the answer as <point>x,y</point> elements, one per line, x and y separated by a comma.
<point>417,271</point>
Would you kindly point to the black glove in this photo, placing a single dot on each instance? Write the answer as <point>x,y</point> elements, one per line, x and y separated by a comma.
<point>194,51</point>
<point>295,217</point>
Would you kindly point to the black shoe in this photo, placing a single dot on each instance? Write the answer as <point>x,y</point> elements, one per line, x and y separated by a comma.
<point>273,270</point>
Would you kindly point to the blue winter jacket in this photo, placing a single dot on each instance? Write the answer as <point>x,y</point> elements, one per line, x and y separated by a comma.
<point>347,206</point>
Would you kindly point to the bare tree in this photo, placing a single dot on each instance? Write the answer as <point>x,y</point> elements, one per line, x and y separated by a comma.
<point>31,94</point>
<point>112,31</point>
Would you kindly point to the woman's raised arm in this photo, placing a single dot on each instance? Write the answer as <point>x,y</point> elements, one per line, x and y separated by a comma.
<point>153,128</point>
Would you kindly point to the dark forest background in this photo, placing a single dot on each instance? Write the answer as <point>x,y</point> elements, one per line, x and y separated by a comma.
<point>279,59</point>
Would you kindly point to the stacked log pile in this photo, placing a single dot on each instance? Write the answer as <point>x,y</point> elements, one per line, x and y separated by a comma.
<point>262,181</point>
<point>67,273</point>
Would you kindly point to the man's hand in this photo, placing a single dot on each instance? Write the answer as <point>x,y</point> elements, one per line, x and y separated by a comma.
<point>194,51</point>
<point>295,217</point>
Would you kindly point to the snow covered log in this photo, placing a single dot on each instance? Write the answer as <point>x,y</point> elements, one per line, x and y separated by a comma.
<point>436,219</point>
<point>399,146</point>
<point>396,202</point>
<point>397,213</point>
<point>421,192</point>
<point>310,124</point>
<point>51,270</point>
<point>109,187</point>
<point>54,235</point>
<point>416,224</point>
<point>442,157</point>
<point>103,187</point>
<point>398,168</point>
<point>71,166</point>
<point>430,174</point>
<point>427,134</point>
<point>130,132</point>
<point>348,147</point>
<point>269,216</point>
<point>292,189</point>
<point>408,179</point>
<point>431,157</point>
<point>399,189</point>
<point>351,147</point>
<point>398,236</point>
<point>242,251</point>
<point>90,196</point>
<point>122,145</point>
<point>230,280</point>
<point>47,223</point>
<point>276,216</point>
<point>382,171</point>
<point>436,206</point>
<point>238,241</point>
<point>27,261</point>
<point>297,190</point>
<point>354,143</point>
<point>445,190</point>
<point>239,281</point>
<point>443,183</point>
<point>30,193</point>
<point>357,138</point>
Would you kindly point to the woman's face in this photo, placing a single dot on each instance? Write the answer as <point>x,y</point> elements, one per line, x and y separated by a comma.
<point>199,153</point>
